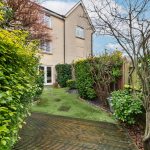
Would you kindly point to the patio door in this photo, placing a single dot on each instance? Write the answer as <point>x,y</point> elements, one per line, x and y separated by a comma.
<point>47,73</point>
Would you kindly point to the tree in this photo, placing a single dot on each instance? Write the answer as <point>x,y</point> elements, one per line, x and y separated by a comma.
<point>128,21</point>
<point>26,15</point>
<point>105,71</point>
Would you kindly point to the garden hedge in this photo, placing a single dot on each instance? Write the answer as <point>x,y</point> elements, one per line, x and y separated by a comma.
<point>84,80</point>
<point>64,73</point>
<point>95,75</point>
<point>19,83</point>
<point>71,84</point>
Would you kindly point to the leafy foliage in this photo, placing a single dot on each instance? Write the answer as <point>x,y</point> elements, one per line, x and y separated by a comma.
<point>126,105</point>
<point>39,80</point>
<point>95,74</point>
<point>84,80</point>
<point>18,83</point>
<point>105,70</point>
<point>71,84</point>
<point>64,73</point>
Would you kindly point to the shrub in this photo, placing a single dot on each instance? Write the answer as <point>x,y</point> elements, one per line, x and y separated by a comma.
<point>71,84</point>
<point>105,71</point>
<point>18,83</point>
<point>55,85</point>
<point>64,73</point>
<point>39,85</point>
<point>84,80</point>
<point>126,106</point>
<point>95,75</point>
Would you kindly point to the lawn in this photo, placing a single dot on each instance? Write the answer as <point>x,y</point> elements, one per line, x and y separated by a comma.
<point>59,102</point>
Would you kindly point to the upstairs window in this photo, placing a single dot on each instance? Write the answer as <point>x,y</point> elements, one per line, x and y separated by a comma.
<point>79,32</point>
<point>47,21</point>
<point>46,46</point>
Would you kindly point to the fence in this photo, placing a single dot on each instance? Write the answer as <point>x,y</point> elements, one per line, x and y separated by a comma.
<point>125,75</point>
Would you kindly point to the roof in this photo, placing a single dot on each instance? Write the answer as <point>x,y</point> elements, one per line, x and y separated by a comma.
<point>60,7</point>
<point>53,13</point>
<point>85,10</point>
<point>74,7</point>
<point>67,12</point>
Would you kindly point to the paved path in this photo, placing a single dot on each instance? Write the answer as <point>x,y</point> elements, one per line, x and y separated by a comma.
<point>47,132</point>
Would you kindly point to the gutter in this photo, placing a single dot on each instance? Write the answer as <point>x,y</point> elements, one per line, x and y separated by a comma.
<point>92,43</point>
<point>64,41</point>
<point>53,13</point>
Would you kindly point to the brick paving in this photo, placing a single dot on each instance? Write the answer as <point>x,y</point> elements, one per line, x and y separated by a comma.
<point>49,132</point>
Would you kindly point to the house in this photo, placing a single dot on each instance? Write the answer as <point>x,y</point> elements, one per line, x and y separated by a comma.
<point>71,39</point>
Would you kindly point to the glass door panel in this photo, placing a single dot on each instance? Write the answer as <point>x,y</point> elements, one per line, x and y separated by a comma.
<point>49,75</point>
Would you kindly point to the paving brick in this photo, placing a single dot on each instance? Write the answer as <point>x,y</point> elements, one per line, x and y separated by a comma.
<point>49,132</point>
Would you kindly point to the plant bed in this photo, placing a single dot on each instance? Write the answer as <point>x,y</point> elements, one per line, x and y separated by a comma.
<point>72,91</point>
<point>136,133</point>
<point>98,103</point>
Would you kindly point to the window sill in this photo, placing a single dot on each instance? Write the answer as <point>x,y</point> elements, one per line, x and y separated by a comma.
<point>80,38</point>
<point>48,53</point>
<point>47,27</point>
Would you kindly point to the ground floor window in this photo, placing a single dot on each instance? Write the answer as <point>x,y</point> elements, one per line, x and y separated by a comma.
<point>47,73</point>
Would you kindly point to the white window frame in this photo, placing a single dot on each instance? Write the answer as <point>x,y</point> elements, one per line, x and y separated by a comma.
<point>46,46</point>
<point>45,74</point>
<point>80,32</point>
<point>47,21</point>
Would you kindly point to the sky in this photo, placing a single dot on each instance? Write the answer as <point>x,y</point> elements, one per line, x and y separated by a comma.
<point>100,43</point>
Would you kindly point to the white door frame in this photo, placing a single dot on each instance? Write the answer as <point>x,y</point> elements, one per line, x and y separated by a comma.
<point>45,74</point>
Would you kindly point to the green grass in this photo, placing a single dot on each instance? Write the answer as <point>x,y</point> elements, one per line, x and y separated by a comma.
<point>59,102</point>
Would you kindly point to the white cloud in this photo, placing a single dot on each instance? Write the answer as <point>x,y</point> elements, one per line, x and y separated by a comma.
<point>113,46</point>
<point>59,6</point>
<point>101,5</point>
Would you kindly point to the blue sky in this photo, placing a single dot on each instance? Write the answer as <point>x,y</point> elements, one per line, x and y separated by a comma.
<point>100,43</point>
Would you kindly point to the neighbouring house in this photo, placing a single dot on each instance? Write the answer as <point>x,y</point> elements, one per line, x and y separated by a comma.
<point>71,39</point>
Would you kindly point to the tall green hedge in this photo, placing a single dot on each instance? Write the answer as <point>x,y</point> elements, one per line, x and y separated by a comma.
<point>94,75</point>
<point>19,83</point>
<point>84,80</point>
<point>64,73</point>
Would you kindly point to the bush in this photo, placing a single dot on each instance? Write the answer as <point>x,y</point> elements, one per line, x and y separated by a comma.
<point>105,71</point>
<point>126,106</point>
<point>39,85</point>
<point>71,84</point>
<point>19,83</point>
<point>55,85</point>
<point>84,80</point>
<point>64,73</point>
<point>95,75</point>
